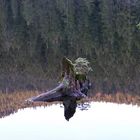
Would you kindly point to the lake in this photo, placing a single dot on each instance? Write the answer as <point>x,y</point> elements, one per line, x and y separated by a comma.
<point>91,121</point>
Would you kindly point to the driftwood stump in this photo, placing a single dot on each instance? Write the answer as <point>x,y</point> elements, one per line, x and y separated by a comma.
<point>72,84</point>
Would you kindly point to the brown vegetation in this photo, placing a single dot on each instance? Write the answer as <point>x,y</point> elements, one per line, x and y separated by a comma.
<point>119,98</point>
<point>11,103</point>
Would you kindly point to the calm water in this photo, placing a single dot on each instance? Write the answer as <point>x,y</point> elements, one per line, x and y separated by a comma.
<point>102,121</point>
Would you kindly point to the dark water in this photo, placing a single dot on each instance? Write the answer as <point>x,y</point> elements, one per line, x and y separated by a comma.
<point>94,121</point>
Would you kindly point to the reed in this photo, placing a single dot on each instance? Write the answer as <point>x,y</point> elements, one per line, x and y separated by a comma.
<point>11,103</point>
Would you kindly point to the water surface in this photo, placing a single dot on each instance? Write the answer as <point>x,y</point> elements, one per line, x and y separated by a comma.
<point>102,121</point>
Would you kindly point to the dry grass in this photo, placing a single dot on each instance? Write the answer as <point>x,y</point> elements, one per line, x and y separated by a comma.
<point>118,98</point>
<point>11,103</point>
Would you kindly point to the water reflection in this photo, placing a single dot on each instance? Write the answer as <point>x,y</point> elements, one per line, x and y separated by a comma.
<point>90,118</point>
<point>103,121</point>
<point>70,105</point>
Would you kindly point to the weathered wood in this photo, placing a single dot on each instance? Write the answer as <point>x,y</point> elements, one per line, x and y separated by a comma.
<point>60,92</point>
<point>72,85</point>
<point>54,93</point>
<point>57,95</point>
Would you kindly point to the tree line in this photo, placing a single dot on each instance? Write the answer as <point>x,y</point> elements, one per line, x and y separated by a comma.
<point>36,34</point>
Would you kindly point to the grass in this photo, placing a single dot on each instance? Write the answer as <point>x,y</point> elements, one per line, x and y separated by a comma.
<point>11,103</point>
<point>119,98</point>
